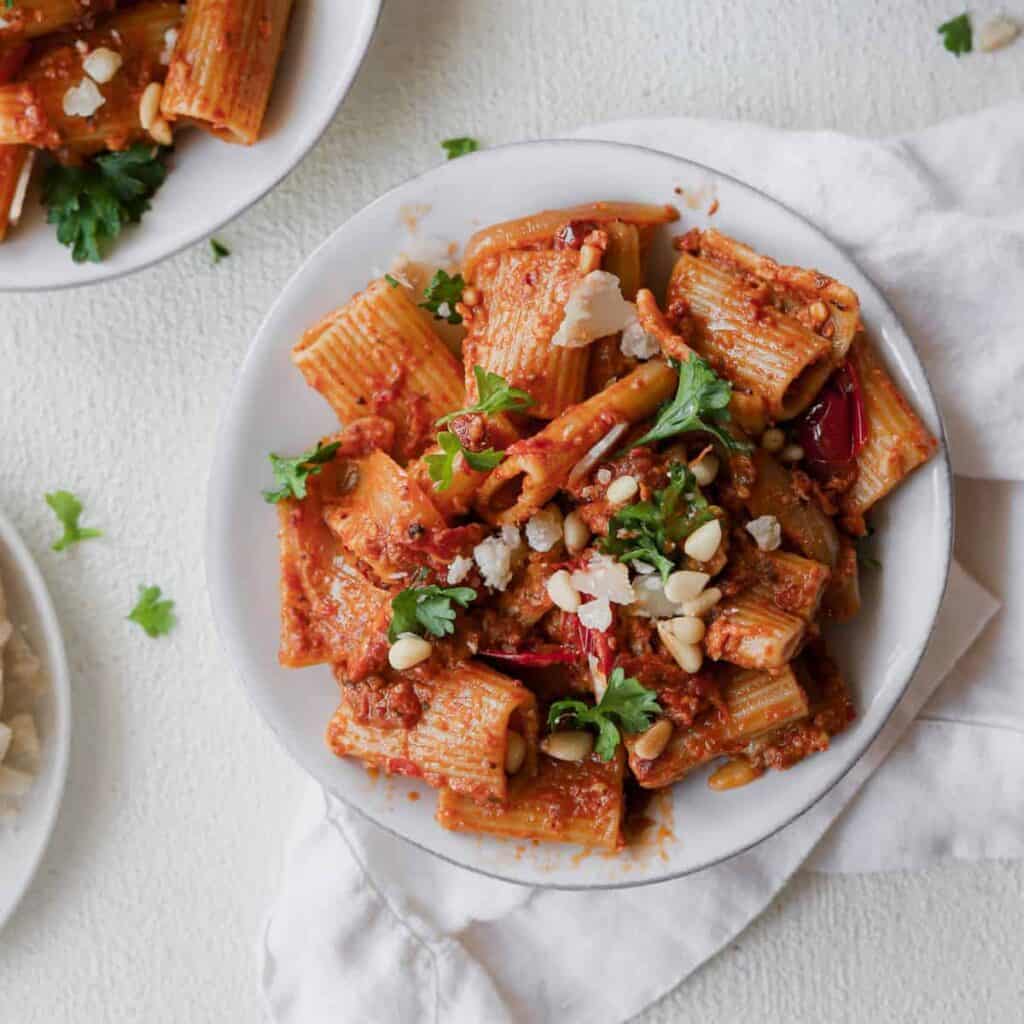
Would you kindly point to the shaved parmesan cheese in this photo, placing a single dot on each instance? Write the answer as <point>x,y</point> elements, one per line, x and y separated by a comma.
<point>595,309</point>
<point>20,190</point>
<point>494,560</point>
<point>651,601</point>
<point>594,456</point>
<point>102,64</point>
<point>766,531</point>
<point>605,578</point>
<point>83,100</point>
<point>544,529</point>
<point>637,342</point>
<point>596,614</point>
<point>459,569</point>
<point>170,41</point>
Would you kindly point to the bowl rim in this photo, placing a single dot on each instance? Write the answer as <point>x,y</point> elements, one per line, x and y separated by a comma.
<point>56,663</point>
<point>941,462</point>
<point>366,30</point>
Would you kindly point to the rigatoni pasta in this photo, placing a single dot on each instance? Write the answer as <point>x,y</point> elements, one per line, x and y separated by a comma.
<point>585,581</point>
<point>224,65</point>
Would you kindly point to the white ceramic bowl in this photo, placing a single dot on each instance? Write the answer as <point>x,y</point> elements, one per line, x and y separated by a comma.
<point>211,182</point>
<point>272,409</point>
<point>23,841</point>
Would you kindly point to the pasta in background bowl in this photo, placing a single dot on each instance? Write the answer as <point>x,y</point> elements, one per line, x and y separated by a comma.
<point>35,684</point>
<point>78,79</point>
<point>272,410</point>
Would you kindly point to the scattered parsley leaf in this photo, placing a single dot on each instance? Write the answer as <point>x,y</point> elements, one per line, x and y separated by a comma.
<point>650,531</point>
<point>8,4</point>
<point>441,464</point>
<point>156,617</point>
<point>91,205</point>
<point>391,280</point>
<point>220,250</point>
<point>67,508</point>
<point>701,402</point>
<point>444,291</point>
<point>427,610</point>
<point>459,147</point>
<point>956,34</point>
<point>625,705</point>
<point>292,474</point>
<point>494,394</point>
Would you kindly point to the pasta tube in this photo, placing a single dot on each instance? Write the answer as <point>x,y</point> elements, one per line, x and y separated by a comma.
<point>224,65</point>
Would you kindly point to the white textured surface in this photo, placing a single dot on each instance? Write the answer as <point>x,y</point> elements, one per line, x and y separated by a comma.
<point>150,896</point>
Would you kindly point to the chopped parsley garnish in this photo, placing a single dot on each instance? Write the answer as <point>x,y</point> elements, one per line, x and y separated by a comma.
<point>292,474</point>
<point>701,402</point>
<point>625,705</point>
<point>494,394</point>
<point>91,205</point>
<point>8,4</point>
<point>393,281</point>
<point>441,465</point>
<point>219,249</point>
<point>441,295</point>
<point>649,531</point>
<point>459,147</point>
<point>67,508</point>
<point>956,34</point>
<point>428,609</point>
<point>156,617</point>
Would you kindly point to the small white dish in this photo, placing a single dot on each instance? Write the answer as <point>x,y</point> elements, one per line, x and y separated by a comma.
<point>211,182</point>
<point>24,838</point>
<point>272,409</point>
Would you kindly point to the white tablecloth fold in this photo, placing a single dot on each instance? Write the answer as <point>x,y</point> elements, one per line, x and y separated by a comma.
<point>366,928</point>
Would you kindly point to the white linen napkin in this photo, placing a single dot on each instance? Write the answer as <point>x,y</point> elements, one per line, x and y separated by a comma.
<point>366,928</point>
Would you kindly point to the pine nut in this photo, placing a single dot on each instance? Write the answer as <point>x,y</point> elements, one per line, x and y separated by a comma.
<point>568,745</point>
<point>733,774</point>
<point>773,440</point>
<point>515,753</point>
<point>408,650</point>
<point>689,657</point>
<point>1000,31</point>
<point>161,132</point>
<point>470,297</point>
<point>702,544</point>
<point>791,453</point>
<point>576,533</point>
<point>705,470</point>
<point>622,489</point>
<point>702,605</point>
<point>590,258</point>
<point>688,629</point>
<point>651,744</point>
<point>149,105</point>
<point>562,592</point>
<point>685,585</point>
<point>818,311</point>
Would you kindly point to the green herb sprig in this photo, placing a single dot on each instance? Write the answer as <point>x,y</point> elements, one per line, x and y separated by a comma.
<point>625,706</point>
<point>427,609</point>
<point>293,474</point>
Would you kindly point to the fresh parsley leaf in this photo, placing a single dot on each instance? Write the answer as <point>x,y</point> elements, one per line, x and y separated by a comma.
<point>650,531</point>
<point>441,465</point>
<point>219,249</point>
<point>8,4</point>
<point>701,402</point>
<point>91,205</point>
<point>956,34</point>
<point>444,291</point>
<point>494,395</point>
<point>292,474</point>
<point>156,617</point>
<point>625,706</point>
<point>427,610</point>
<point>459,147</point>
<point>391,280</point>
<point>67,508</point>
